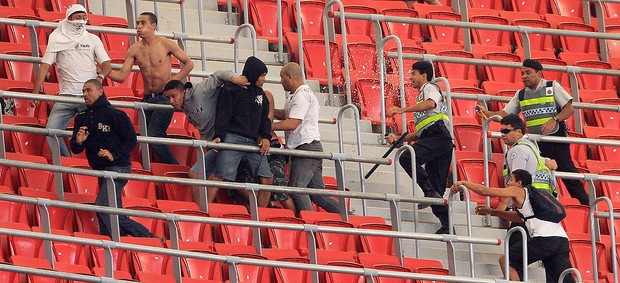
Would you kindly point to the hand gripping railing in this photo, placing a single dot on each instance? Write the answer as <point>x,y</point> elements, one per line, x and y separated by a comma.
<point>507,252</point>
<point>328,60</point>
<point>340,167</point>
<point>382,72</point>
<point>414,182</point>
<point>465,191</point>
<point>236,44</point>
<point>594,233</point>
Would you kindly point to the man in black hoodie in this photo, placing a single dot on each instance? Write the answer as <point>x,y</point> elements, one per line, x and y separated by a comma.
<point>108,137</point>
<point>243,118</point>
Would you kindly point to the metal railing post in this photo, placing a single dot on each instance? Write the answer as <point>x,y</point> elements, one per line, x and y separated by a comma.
<point>486,158</point>
<point>201,29</point>
<point>2,143</point>
<point>339,122</point>
<point>328,59</point>
<point>252,189</point>
<point>54,144</point>
<point>464,190</point>
<point>612,232</point>
<point>569,271</point>
<point>48,249</point>
<point>144,147</point>
<point>382,75</point>
<point>340,178</point>
<point>109,177</point>
<point>280,38</point>
<point>507,252</point>
<point>414,182</point>
<point>236,43</point>
<point>173,229</point>
<point>203,203</point>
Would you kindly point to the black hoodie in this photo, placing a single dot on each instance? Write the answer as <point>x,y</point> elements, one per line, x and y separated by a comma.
<point>244,111</point>
<point>108,128</point>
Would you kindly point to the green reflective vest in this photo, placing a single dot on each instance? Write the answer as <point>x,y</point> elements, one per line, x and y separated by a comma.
<point>538,107</point>
<point>542,178</point>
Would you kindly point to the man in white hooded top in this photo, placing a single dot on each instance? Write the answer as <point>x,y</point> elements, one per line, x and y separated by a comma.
<point>74,51</point>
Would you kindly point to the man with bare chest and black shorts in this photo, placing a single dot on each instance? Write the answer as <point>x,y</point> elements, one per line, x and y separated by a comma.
<point>153,55</point>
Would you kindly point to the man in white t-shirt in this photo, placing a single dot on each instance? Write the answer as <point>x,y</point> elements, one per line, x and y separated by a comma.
<point>300,122</point>
<point>548,242</point>
<point>74,51</point>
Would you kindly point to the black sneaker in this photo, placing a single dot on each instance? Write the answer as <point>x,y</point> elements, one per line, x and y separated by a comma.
<point>443,230</point>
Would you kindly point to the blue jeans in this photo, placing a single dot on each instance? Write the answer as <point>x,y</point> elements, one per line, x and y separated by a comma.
<point>157,124</point>
<point>59,119</point>
<point>308,173</point>
<point>229,160</point>
<point>127,225</point>
<point>211,161</point>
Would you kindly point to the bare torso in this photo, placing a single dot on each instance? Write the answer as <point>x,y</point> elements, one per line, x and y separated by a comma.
<point>154,60</point>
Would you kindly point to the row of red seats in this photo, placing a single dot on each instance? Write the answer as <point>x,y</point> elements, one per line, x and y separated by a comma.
<point>59,6</point>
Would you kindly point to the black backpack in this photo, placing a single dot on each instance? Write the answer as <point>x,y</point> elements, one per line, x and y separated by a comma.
<point>545,206</point>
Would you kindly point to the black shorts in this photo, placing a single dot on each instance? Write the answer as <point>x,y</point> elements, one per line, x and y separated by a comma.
<point>553,251</point>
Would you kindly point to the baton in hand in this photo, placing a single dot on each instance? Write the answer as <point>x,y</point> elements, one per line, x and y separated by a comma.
<point>394,145</point>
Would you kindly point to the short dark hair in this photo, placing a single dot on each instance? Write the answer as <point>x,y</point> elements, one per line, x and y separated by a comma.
<point>152,17</point>
<point>174,84</point>
<point>514,121</point>
<point>95,82</point>
<point>424,67</point>
<point>523,176</point>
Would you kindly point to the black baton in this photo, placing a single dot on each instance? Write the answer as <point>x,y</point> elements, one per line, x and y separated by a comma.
<point>394,145</point>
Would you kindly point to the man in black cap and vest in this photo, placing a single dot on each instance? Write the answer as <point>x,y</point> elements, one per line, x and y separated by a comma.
<point>433,145</point>
<point>545,106</point>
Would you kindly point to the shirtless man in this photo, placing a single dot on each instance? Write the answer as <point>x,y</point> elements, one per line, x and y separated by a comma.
<point>153,55</point>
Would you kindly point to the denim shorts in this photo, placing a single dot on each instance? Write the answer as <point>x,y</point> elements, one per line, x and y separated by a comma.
<point>229,160</point>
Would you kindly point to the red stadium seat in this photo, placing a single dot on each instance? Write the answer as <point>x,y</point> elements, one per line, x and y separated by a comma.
<point>311,17</point>
<point>577,220</point>
<point>445,34</point>
<point>567,8</point>
<point>333,241</point>
<point>540,7</point>
<point>537,41</point>
<point>292,275</point>
<point>369,98</point>
<point>237,235</point>
<point>314,56</point>
<point>581,258</point>
<point>595,82</point>
<point>578,44</point>
<point>377,244</point>
<point>288,239</point>
<point>503,74</point>
<point>491,37</point>
<point>473,170</point>
<point>263,14</point>
<point>409,34</point>
<point>336,277</point>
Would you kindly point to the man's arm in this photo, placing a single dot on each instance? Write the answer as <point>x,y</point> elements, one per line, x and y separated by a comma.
<point>279,114</point>
<point>122,74</point>
<point>566,112</point>
<point>289,124</point>
<point>486,191</point>
<point>503,214</point>
<point>419,107</point>
<point>177,52</point>
<point>106,69</point>
<point>75,146</point>
<point>40,77</point>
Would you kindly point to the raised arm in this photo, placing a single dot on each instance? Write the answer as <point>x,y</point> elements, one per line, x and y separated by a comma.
<point>121,75</point>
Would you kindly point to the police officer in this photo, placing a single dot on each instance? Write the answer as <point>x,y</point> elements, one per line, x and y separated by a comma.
<point>433,145</point>
<point>545,106</point>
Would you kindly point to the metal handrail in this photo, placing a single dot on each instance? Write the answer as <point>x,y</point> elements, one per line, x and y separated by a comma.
<point>465,191</point>
<point>345,51</point>
<point>524,252</point>
<point>236,44</point>
<point>60,275</point>
<point>231,260</point>
<point>593,235</point>
<point>414,182</point>
<point>359,149</point>
<point>574,271</point>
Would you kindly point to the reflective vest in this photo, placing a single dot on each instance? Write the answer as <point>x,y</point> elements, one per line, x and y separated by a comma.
<point>538,107</point>
<point>542,178</point>
<point>424,119</point>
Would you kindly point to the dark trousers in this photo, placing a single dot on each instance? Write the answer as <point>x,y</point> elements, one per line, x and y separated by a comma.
<point>560,152</point>
<point>127,225</point>
<point>553,251</point>
<point>157,124</point>
<point>434,150</point>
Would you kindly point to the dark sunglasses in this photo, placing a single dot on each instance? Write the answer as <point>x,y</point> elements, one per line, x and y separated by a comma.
<point>506,131</point>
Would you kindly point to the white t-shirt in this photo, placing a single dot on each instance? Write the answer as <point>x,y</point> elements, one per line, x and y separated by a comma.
<point>302,105</point>
<point>77,65</point>
<point>559,94</point>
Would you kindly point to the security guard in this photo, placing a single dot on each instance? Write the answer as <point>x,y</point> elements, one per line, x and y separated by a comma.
<point>434,144</point>
<point>545,106</point>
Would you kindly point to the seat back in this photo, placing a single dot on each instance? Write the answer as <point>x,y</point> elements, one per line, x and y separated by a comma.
<point>537,41</point>
<point>402,30</point>
<point>578,44</point>
<point>503,74</point>
<point>567,8</point>
<point>377,244</point>
<point>595,82</point>
<point>311,17</point>
<point>535,6</point>
<point>445,34</point>
<point>491,37</point>
<point>455,70</point>
<point>368,93</point>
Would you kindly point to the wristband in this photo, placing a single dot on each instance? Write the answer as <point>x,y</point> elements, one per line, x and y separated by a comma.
<point>556,119</point>
<point>101,76</point>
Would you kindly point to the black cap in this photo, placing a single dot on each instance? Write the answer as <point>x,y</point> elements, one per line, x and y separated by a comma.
<point>531,63</point>
<point>422,65</point>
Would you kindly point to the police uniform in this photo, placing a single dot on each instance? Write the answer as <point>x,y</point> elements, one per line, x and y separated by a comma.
<point>539,106</point>
<point>433,147</point>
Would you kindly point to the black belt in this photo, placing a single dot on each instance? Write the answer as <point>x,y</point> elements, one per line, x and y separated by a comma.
<point>148,96</point>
